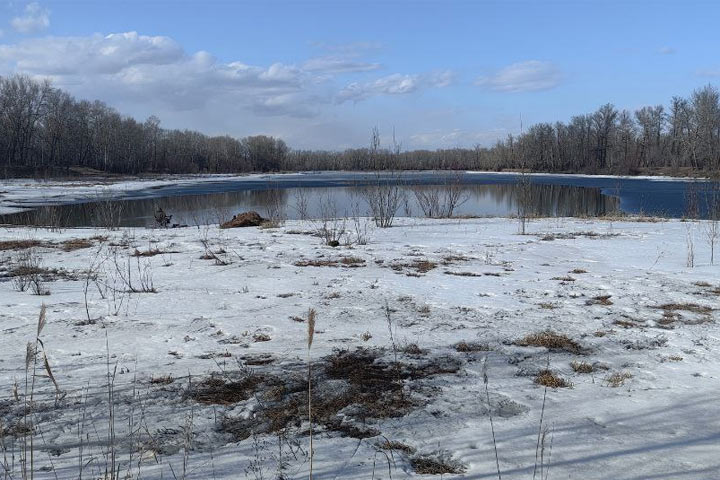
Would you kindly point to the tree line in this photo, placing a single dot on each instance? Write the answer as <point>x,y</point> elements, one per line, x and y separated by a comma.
<point>45,129</point>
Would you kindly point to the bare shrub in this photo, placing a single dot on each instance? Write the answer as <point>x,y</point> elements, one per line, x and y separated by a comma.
<point>524,200</point>
<point>441,201</point>
<point>275,208</point>
<point>385,195</point>
<point>107,212</point>
<point>28,273</point>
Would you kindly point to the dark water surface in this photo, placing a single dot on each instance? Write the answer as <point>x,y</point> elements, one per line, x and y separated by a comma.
<point>485,194</point>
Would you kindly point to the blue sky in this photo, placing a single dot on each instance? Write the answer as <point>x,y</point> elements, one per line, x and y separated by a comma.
<point>321,74</point>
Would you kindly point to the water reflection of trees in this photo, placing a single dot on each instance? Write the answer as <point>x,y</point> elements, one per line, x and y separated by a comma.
<point>498,199</point>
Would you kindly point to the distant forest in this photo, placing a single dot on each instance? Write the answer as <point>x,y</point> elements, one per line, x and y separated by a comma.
<point>44,130</point>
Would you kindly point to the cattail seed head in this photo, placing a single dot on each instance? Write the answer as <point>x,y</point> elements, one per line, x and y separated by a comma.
<point>311,327</point>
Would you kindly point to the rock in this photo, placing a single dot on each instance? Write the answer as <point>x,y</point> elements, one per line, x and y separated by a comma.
<point>246,219</point>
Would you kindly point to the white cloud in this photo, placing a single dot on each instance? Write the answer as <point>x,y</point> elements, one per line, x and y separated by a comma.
<point>456,138</point>
<point>338,64</point>
<point>528,76</point>
<point>666,50</point>
<point>142,75</point>
<point>709,72</point>
<point>395,84</point>
<point>34,19</point>
<point>131,67</point>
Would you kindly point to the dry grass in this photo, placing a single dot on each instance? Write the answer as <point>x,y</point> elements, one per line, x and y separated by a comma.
<point>578,271</point>
<point>686,307</point>
<point>626,324</point>
<point>76,244</point>
<point>469,347</point>
<point>261,337</point>
<point>419,266</point>
<point>218,390</point>
<point>617,379</point>
<point>548,305</point>
<point>162,380</point>
<point>412,349</point>
<point>581,367</point>
<point>349,262</point>
<point>463,274</point>
<point>151,252</point>
<point>547,378</point>
<point>566,278</point>
<point>437,464</point>
<point>19,244</point>
<point>600,300</point>
<point>359,378</point>
<point>552,341</point>
<point>396,446</point>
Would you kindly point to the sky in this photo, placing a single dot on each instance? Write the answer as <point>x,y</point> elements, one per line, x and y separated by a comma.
<point>321,74</point>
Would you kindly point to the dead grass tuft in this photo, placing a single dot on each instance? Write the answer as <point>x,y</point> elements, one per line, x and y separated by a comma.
<point>552,341</point>
<point>581,367</point>
<point>469,347</point>
<point>463,274</point>
<point>412,349</point>
<point>686,307</point>
<point>348,262</point>
<point>578,271</point>
<point>436,464</point>
<point>617,379</point>
<point>547,378</point>
<point>218,390</point>
<point>151,252</point>
<point>162,380</point>
<point>600,300</point>
<point>19,244</point>
<point>419,266</point>
<point>76,244</point>
<point>395,445</point>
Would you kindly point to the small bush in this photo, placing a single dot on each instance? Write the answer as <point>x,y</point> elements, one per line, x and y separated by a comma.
<point>581,367</point>
<point>547,378</point>
<point>617,379</point>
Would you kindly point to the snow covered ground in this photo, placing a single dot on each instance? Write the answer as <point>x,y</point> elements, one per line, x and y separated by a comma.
<point>231,306</point>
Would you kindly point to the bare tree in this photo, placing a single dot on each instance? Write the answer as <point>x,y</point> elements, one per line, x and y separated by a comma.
<point>712,224</point>
<point>385,195</point>
<point>441,201</point>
